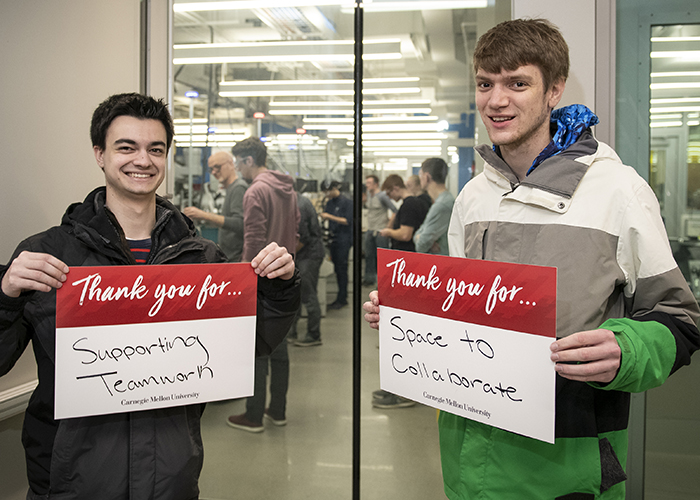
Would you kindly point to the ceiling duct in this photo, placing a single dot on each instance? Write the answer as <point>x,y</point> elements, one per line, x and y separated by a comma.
<point>295,23</point>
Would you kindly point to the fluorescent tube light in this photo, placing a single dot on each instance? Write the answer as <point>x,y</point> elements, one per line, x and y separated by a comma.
<point>674,100</point>
<point>286,51</point>
<point>675,74</point>
<point>346,5</point>
<point>391,136</point>
<point>370,119</point>
<point>349,112</point>
<point>399,144</point>
<point>186,121</point>
<point>394,6</point>
<point>313,92</point>
<point>671,116</point>
<point>675,85</point>
<point>675,39</point>
<point>367,103</point>
<point>345,81</point>
<point>688,55</point>
<point>401,127</point>
<point>678,109</point>
<point>665,124</point>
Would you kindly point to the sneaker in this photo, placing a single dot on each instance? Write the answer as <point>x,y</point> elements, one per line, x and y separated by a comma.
<point>307,342</point>
<point>242,422</point>
<point>380,394</point>
<point>392,401</point>
<point>277,422</point>
<point>337,305</point>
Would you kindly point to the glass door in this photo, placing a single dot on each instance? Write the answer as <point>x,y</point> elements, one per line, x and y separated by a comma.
<point>283,72</point>
<point>672,421</point>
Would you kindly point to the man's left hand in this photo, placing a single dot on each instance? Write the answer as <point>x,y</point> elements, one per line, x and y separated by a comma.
<point>590,356</point>
<point>274,261</point>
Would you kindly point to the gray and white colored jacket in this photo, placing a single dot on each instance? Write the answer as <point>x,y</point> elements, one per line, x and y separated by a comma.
<point>597,221</point>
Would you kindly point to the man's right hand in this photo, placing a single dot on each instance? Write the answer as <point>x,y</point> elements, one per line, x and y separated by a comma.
<point>371,308</point>
<point>33,271</point>
<point>195,213</point>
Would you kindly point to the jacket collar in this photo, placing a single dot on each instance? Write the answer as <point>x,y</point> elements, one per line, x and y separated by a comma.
<point>94,224</point>
<point>560,167</point>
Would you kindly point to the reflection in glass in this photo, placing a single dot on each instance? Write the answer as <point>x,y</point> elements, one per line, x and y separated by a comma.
<point>672,442</point>
<point>283,71</point>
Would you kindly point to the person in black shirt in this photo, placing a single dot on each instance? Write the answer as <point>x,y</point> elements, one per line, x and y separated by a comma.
<point>408,219</point>
<point>338,213</point>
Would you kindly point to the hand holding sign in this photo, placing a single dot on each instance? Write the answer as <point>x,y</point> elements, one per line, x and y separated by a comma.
<point>33,271</point>
<point>371,308</point>
<point>591,356</point>
<point>274,261</point>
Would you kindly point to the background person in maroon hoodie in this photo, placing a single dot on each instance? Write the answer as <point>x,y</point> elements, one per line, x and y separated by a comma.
<point>270,213</point>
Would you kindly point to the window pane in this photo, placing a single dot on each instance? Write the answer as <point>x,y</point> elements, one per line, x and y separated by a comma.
<point>671,456</point>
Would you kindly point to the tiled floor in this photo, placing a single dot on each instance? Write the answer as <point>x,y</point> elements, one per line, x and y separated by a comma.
<point>311,457</point>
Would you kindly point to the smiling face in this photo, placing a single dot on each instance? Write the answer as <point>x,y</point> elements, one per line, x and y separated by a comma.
<point>515,107</point>
<point>133,159</point>
<point>371,185</point>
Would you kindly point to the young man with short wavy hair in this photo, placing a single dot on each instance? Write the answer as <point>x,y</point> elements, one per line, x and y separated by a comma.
<point>551,194</point>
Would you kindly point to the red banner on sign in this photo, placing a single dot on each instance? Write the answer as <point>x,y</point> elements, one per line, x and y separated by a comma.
<point>497,294</point>
<point>118,295</point>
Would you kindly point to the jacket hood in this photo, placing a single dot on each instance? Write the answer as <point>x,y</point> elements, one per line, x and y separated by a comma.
<point>277,180</point>
<point>571,122</point>
<point>567,124</point>
<point>562,164</point>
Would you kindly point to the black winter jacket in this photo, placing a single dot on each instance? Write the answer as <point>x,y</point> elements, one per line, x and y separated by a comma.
<point>152,454</point>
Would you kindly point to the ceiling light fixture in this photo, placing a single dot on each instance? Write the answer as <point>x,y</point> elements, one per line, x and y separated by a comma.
<point>399,144</point>
<point>346,5</point>
<point>315,91</point>
<point>678,109</point>
<point>399,127</point>
<point>396,102</point>
<point>665,124</point>
<point>674,100</point>
<point>349,112</point>
<point>394,6</point>
<point>288,51</point>
<point>674,74</point>
<point>672,116</point>
<point>675,85</point>
<point>675,39</point>
<point>345,81</point>
<point>688,55</point>
<point>371,119</point>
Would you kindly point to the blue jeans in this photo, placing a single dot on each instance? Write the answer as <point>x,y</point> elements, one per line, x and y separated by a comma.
<point>308,269</point>
<point>279,382</point>
<point>340,249</point>
<point>373,240</point>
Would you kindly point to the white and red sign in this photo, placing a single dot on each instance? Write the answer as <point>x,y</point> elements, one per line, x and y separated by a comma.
<point>470,337</point>
<point>140,337</point>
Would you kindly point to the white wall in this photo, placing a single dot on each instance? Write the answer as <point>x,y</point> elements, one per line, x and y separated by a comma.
<point>576,20</point>
<point>59,60</point>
